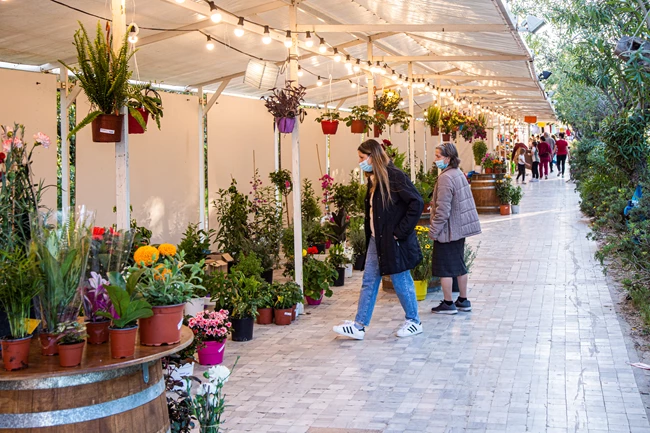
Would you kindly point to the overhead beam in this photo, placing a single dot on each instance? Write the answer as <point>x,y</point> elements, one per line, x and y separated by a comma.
<point>403,28</point>
<point>457,45</point>
<point>500,58</point>
<point>471,78</point>
<point>520,88</point>
<point>216,95</point>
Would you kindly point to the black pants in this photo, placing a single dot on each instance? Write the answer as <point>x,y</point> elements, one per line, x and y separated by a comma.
<point>561,162</point>
<point>535,170</point>
<point>522,171</point>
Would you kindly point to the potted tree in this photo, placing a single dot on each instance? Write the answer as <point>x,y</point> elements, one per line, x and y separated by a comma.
<point>166,287</point>
<point>232,209</point>
<point>338,260</point>
<point>146,101</point>
<point>329,122</point>
<point>129,307</point>
<point>318,276</point>
<point>432,118</point>
<point>359,119</point>
<point>515,197</point>
<point>104,77</point>
<point>479,148</point>
<point>71,338</point>
<point>422,272</point>
<point>285,106</point>
<point>211,329</point>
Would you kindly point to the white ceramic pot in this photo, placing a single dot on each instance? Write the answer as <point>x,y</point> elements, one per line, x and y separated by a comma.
<point>348,270</point>
<point>194,305</point>
<point>514,208</point>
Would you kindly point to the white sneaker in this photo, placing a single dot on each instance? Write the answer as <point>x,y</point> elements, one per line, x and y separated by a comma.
<point>408,329</point>
<point>347,329</point>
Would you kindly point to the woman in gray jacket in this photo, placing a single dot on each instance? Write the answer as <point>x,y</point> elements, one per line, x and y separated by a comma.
<point>453,218</point>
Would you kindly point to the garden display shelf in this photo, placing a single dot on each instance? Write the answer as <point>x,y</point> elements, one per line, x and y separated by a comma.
<point>102,395</point>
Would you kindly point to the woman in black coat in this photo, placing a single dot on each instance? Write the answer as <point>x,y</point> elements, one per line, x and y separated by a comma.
<point>393,209</point>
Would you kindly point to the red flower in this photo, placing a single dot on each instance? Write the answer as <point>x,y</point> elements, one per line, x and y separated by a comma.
<point>113,232</point>
<point>385,143</point>
<point>312,250</point>
<point>98,233</point>
<point>328,244</point>
<point>2,157</point>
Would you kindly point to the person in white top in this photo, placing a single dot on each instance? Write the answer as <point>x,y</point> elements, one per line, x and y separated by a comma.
<point>534,153</point>
<point>521,165</point>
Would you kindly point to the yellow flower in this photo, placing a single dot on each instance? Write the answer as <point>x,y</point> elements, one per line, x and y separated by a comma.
<point>304,253</point>
<point>428,247</point>
<point>146,254</point>
<point>161,272</point>
<point>167,250</point>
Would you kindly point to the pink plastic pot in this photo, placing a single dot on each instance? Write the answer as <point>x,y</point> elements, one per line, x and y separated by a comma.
<point>212,353</point>
<point>312,301</point>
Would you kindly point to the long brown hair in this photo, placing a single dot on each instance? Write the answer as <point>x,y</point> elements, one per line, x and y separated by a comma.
<point>380,163</point>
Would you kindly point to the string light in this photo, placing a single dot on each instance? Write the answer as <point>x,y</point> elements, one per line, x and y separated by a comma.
<point>215,15</point>
<point>133,34</point>
<point>267,36</point>
<point>309,42</point>
<point>337,56</point>
<point>319,82</point>
<point>322,48</point>
<point>357,66</point>
<point>353,84</point>
<point>209,45</point>
<point>300,73</point>
<point>239,30</point>
<point>347,59</point>
<point>287,40</point>
<point>394,76</point>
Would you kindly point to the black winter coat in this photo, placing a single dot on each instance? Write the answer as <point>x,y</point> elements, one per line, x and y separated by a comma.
<point>398,220</point>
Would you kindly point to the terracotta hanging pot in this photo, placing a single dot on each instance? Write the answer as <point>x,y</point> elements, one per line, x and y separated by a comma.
<point>48,345</point>
<point>377,130</point>
<point>134,126</point>
<point>107,128</point>
<point>504,209</point>
<point>15,353</point>
<point>446,137</point>
<point>283,317</point>
<point>70,354</point>
<point>265,316</point>
<point>435,131</point>
<point>123,342</point>
<point>358,127</point>
<point>164,327</point>
<point>329,126</point>
<point>97,331</point>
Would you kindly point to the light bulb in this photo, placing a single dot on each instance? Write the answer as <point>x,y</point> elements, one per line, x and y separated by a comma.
<point>300,73</point>
<point>428,88</point>
<point>209,45</point>
<point>267,36</point>
<point>239,30</point>
<point>215,16</point>
<point>287,41</point>
<point>357,66</point>
<point>309,42</point>
<point>347,59</point>
<point>400,82</point>
<point>337,56</point>
<point>319,82</point>
<point>353,85</point>
<point>435,91</point>
<point>394,76</point>
<point>322,48</point>
<point>133,38</point>
<point>401,103</point>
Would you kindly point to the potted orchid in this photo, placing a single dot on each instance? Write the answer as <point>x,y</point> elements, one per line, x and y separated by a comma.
<point>211,329</point>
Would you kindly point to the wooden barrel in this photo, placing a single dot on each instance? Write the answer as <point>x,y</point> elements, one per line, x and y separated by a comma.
<point>485,193</point>
<point>102,395</point>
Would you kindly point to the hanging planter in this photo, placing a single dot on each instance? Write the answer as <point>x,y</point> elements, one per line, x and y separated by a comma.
<point>285,124</point>
<point>107,128</point>
<point>435,131</point>
<point>285,106</point>
<point>432,118</point>
<point>377,130</point>
<point>358,119</point>
<point>134,126</point>
<point>145,101</point>
<point>329,126</point>
<point>446,137</point>
<point>358,127</point>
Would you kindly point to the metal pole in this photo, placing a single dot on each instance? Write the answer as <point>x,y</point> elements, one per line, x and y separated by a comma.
<point>412,125</point>
<point>65,146</point>
<point>202,116</point>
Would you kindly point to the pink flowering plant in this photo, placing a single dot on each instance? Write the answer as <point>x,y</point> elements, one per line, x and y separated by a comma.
<point>210,326</point>
<point>327,185</point>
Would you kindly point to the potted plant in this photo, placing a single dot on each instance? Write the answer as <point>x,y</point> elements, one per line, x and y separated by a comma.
<point>146,101</point>
<point>486,163</point>
<point>281,179</point>
<point>387,102</point>
<point>422,272</point>
<point>450,122</point>
<point>196,246</point>
<point>284,301</point>
<point>338,260</point>
<point>479,148</point>
<point>318,276</point>
<point>20,282</point>
<point>504,194</point>
<point>432,118</point>
<point>329,122</point>
<point>379,122</point>
<point>166,287</point>
<point>285,106</point>
<point>400,117</point>
<point>96,299</point>
<point>357,240</point>
<point>209,402</point>
<point>232,210</point>
<point>359,119</point>
<point>104,77</point>
<point>129,307</point>
<point>497,165</point>
<point>266,301</point>
<point>71,338</point>
<point>211,329</point>
<point>62,248</point>
<point>515,197</point>
<point>241,295</point>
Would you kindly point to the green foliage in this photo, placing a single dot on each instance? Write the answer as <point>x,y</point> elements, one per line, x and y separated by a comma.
<point>239,294</point>
<point>144,96</point>
<point>345,196</point>
<point>328,115</point>
<point>432,116</point>
<point>425,181</point>
<point>71,332</point>
<point>516,194</point>
<point>357,240</point>
<point>127,301</point>
<point>20,281</point>
<point>400,117</point>
<point>479,148</point>
<point>232,216</point>
<point>626,143</point>
<point>286,295</point>
<point>265,225</point>
<point>250,265</point>
<point>337,257</point>
<point>504,189</point>
<point>281,179</point>
<point>422,272</point>
<point>309,203</point>
<point>337,226</point>
<point>313,233</point>
<point>196,243</point>
<point>166,282</point>
<point>318,276</point>
<point>388,101</point>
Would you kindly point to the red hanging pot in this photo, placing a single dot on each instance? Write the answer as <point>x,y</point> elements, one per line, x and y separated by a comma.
<point>446,137</point>
<point>435,131</point>
<point>378,130</point>
<point>134,126</point>
<point>286,124</point>
<point>329,126</point>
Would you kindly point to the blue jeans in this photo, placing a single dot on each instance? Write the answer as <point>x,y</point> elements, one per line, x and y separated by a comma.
<point>403,283</point>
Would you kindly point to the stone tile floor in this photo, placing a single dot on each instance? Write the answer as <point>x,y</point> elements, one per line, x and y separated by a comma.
<point>543,350</point>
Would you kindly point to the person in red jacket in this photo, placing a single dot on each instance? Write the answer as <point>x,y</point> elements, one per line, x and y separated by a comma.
<point>562,153</point>
<point>545,157</point>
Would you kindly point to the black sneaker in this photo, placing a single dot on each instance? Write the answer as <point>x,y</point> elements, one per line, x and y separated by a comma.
<point>443,308</point>
<point>463,306</point>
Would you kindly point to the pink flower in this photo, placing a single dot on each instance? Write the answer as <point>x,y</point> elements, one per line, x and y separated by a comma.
<point>6,145</point>
<point>287,184</point>
<point>228,324</point>
<point>18,143</point>
<point>43,139</point>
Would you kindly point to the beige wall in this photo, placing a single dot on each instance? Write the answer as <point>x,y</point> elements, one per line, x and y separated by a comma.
<point>30,99</point>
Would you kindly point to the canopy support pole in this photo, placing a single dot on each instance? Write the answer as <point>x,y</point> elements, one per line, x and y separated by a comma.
<point>202,116</point>
<point>122,178</point>
<point>412,126</point>
<point>65,146</point>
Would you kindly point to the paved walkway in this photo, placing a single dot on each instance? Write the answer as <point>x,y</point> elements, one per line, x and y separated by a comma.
<point>543,350</point>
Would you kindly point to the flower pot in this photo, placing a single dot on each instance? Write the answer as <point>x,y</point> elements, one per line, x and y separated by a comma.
<point>15,353</point>
<point>242,329</point>
<point>515,209</point>
<point>268,276</point>
<point>358,127</point>
<point>321,248</point>
<point>435,131</point>
<point>265,317</point>
<point>341,278</point>
<point>193,306</point>
<point>312,301</point>
<point>359,262</point>
<point>122,342</point>
<point>384,114</point>
<point>134,126</point>
<point>212,353</point>
<point>329,126</point>
<point>348,270</point>
<point>107,128</point>
<point>70,354</point>
<point>286,124</point>
<point>283,317</point>
<point>489,170</point>
<point>293,313</point>
<point>97,331</point>
<point>48,345</point>
<point>164,327</point>
<point>426,209</point>
<point>377,131</point>
<point>421,289</point>
<point>504,209</point>
<point>446,137</point>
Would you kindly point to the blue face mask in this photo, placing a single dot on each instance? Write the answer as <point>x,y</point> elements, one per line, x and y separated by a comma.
<point>365,166</point>
<point>441,164</point>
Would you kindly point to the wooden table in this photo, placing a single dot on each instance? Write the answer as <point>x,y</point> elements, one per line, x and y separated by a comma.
<point>102,395</point>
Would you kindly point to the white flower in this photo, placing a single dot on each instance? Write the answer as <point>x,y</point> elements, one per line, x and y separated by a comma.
<point>96,280</point>
<point>218,373</point>
<point>206,388</point>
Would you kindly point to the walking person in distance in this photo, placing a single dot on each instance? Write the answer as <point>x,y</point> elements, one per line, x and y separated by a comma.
<point>562,153</point>
<point>453,218</point>
<point>551,142</point>
<point>534,153</point>
<point>545,157</point>
<point>521,165</point>
<point>393,209</point>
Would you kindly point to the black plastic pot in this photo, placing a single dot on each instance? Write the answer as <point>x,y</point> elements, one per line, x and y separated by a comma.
<point>359,263</point>
<point>268,276</point>
<point>321,248</point>
<point>242,329</point>
<point>341,279</point>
